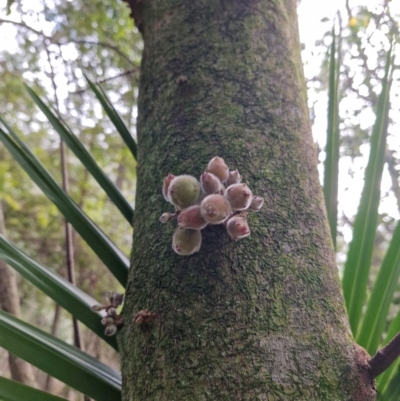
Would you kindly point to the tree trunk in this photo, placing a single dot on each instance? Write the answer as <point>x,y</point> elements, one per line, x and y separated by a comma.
<point>258,319</point>
<point>9,301</point>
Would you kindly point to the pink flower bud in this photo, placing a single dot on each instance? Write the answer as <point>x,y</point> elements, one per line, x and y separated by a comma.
<point>112,312</point>
<point>106,321</point>
<point>210,183</point>
<point>239,196</point>
<point>192,218</point>
<point>256,203</point>
<point>165,217</point>
<point>218,167</point>
<point>234,178</point>
<point>167,181</point>
<point>237,227</point>
<point>110,330</point>
<point>215,209</point>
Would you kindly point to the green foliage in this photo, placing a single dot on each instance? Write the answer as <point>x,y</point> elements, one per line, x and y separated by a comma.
<point>62,360</point>
<point>356,270</point>
<point>96,239</point>
<point>14,391</point>
<point>114,117</point>
<point>369,326</point>
<point>331,168</point>
<point>107,45</point>
<point>72,299</point>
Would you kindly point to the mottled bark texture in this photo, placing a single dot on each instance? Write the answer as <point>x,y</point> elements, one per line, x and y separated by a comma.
<point>9,301</point>
<point>258,319</point>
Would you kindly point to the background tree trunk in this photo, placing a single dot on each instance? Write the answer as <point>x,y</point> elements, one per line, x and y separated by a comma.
<point>258,319</point>
<point>9,302</point>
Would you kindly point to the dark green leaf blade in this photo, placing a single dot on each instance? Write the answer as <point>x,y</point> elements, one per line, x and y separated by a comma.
<point>358,262</point>
<point>374,320</point>
<point>86,159</point>
<point>61,360</point>
<point>11,390</point>
<point>71,298</point>
<point>331,165</point>
<point>105,249</point>
<point>114,117</point>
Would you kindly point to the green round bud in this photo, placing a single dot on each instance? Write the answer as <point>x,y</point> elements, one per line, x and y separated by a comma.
<point>184,191</point>
<point>186,241</point>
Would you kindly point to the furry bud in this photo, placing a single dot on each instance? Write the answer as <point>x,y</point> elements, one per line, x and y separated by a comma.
<point>167,182</point>
<point>256,203</point>
<point>115,298</point>
<point>186,241</point>
<point>112,312</point>
<point>192,218</point>
<point>218,167</point>
<point>110,330</point>
<point>166,217</point>
<point>215,209</point>
<point>234,178</point>
<point>97,308</point>
<point>239,196</point>
<point>106,321</point>
<point>237,227</point>
<point>184,191</point>
<point>210,183</point>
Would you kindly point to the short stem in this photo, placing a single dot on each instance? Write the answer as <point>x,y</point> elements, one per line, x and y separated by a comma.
<point>385,357</point>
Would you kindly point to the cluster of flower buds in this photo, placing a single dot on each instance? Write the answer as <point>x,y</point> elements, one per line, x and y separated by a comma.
<point>144,317</point>
<point>218,198</point>
<point>112,319</point>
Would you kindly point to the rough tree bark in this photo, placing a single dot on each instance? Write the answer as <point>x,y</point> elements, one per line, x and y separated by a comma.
<point>258,319</point>
<point>9,302</point>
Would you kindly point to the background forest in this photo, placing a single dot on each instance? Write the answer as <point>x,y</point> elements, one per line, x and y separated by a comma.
<point>51,45</point>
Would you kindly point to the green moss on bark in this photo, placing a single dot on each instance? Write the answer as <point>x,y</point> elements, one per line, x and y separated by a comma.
<point>258,319</point>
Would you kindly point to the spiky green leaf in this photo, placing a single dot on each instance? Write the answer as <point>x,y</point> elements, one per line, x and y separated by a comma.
<point>105,249</point>
<point>358,262</point>
<point>331,165</point>
<point>59,359</point>
<point>86,159</point>
<point>11,390</point>
<point>114,117</point>
<point>71,298</point>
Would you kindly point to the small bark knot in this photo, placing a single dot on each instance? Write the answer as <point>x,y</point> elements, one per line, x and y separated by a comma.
<point>364,389</point>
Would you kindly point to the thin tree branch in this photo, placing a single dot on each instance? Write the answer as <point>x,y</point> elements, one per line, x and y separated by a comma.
<point>100,81</point>
<point>67,227</point>
<point>115,48</point>
<point>102,44</point>
<point>385,357</point>
<point>6,21</point>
